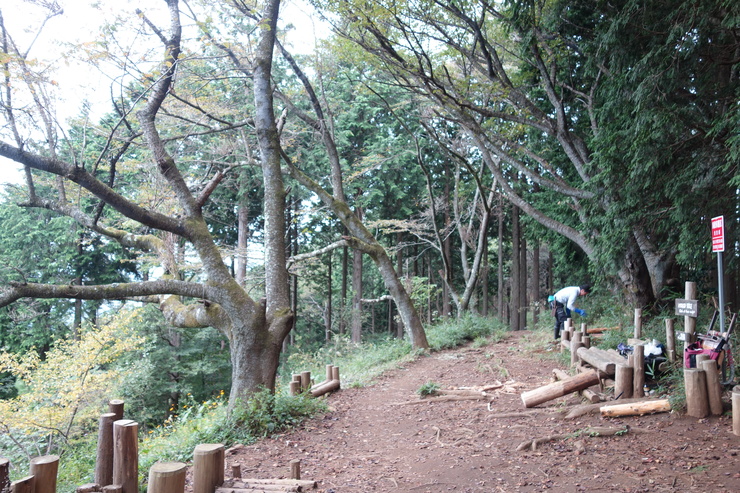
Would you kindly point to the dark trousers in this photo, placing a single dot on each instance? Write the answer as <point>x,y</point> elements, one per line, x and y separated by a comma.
<point>561,315</point>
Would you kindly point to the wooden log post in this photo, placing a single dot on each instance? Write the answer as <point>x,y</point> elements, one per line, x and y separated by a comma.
<point>623,382</point>
<point>44,469</point>
<point>714,387</point>
<point>586,341</point>
<point>236,471</point>
<point>695,383</point>
<point>636,408</point>
<point>115,406</point>
<point>554,390</point>
<point>88,488</point>
<point>689,323</point>
<point>295,387</point>
<point>113,488</point>
<point>329,372</point>
<point>23,485</point>
<point>305,380</point>
<point>670,339</point>
<point>126,455</point>
<point>335,374</point>
<point>167,477</point>
<point>638,371</point>
<point>208,467</point>
<point>736,410</point>
<point>700,358</point>
<point>4,475</point>
<point>295,469</point>
<point>104,457</point>
<point>575,345</point>
<point>638,323</point>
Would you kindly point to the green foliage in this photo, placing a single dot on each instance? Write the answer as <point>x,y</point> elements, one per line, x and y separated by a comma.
<point>170,365</point>
<point>263,415</point>
<point>267,413</point>
<point>454,332</point>
<point>359,364</point>
<point>428,388</point>
<point>61,394</point>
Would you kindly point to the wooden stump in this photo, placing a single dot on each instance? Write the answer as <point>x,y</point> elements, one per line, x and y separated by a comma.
<point>44,470</point>
<point>670,339</point>
<point>23,485</point>
<point>714,387</point>
<point>695,383</point>
<point>167,477</point>
<point>623,382</point>
<point>113,488</point>
<point>558,389</point>
<point>104,458</point>
<point>208,467</point>
<point>126,455</point>
<point>638,323</point>
<point>295,469</point>
<point>115,406</point>
<point>305,380</point>
<point>4,475</point>
<point>638,371</point>
<point>87,488</point>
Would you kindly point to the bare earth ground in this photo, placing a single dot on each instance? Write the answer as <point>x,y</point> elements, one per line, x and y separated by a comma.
<point>371,441</point>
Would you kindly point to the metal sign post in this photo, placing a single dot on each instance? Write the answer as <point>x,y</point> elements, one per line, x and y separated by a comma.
<point>718,245</point>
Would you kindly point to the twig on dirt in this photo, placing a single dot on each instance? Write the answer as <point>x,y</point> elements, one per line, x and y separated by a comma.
<point>439,432</point>
<point>393,480</point>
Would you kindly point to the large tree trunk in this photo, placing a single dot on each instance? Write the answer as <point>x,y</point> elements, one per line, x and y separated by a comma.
<point>635,277</point>
<point>254,359</point>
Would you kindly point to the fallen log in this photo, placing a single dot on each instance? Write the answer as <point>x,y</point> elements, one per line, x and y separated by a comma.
<point>585,409</point>
<point>587,394</point>
<point>636,408</point>
<point>323,388</point>
<point>600,359</point>
<point>558,389</point>
<point>599,330</point>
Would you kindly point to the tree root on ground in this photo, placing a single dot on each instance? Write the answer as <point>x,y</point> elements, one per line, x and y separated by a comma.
<point>591,431</point>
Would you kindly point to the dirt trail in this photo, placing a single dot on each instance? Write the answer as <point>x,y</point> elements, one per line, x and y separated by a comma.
<point>371,441</point>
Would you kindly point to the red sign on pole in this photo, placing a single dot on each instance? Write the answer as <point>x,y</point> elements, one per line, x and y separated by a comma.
<point>718,234</point>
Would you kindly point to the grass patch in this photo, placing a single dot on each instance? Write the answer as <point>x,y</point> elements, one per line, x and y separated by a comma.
<point>429,388</point>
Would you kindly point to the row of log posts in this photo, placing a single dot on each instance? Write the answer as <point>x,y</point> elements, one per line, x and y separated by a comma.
<point>302,382</point>
<point>42,477</point>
